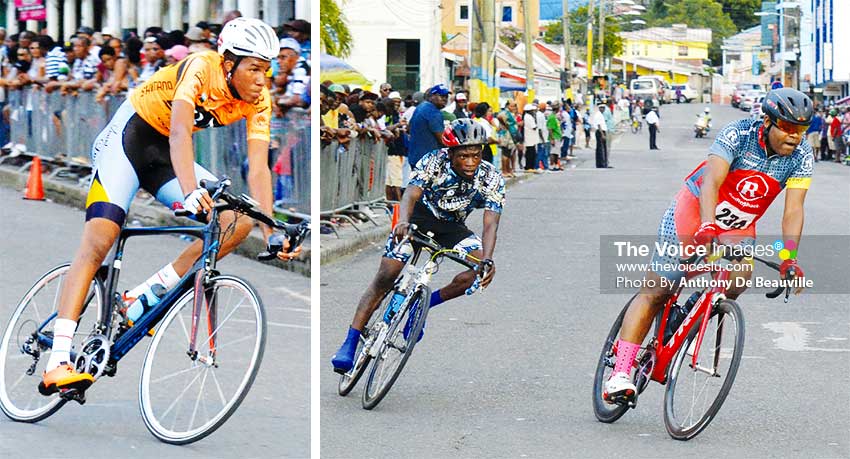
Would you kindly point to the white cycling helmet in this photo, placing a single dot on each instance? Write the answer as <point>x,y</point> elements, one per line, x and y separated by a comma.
<point>707,110</point>
<point>248,37</point>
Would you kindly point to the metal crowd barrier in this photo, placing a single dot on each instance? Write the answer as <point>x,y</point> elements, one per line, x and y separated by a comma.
<point>353,177</point>
<point>61,129</point>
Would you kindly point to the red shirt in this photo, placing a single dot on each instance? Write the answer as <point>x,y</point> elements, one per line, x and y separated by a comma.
<point>835,127</point>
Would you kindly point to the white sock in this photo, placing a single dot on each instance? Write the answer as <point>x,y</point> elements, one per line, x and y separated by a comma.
<point>63,335</point>
<point>166,276</point>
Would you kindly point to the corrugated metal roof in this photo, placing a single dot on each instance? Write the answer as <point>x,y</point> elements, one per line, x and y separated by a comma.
<point>669,34</point>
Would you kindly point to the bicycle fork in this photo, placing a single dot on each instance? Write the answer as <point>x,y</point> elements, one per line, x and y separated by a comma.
<point>203,301</point>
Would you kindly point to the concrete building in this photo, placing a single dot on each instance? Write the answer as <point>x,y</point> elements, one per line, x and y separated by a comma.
<point>675,44</point>
<point>64,16</point>
<point>397,42</point>
<point>829,42</point>
<point>455,15</point>
<point>745,60</point>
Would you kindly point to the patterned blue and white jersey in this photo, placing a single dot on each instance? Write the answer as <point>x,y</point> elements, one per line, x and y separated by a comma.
<point>452,198</point>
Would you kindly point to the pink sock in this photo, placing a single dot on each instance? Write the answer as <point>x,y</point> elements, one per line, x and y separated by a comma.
<point>626,353</point>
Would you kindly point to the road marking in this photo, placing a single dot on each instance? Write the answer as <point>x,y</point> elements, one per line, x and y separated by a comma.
<point>300,296</point>
<point>274,324</point>
<point>795,337</point>
<point>283,308</point>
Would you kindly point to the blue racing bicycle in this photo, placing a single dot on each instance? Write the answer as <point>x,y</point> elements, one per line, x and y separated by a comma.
<point>205,349</point>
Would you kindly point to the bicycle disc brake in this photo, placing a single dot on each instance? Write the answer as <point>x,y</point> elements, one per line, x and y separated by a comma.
<point>644,370</point>
<point>94,356</point>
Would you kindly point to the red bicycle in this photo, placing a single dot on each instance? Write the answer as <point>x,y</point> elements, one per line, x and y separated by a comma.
<point>704,350</point>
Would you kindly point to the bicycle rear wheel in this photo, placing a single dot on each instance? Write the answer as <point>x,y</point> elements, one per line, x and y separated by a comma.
<point>184,399</point>
<point>23,355</point>
<point>394,351</point>
<point>604,411</point>
<point>694,395</point>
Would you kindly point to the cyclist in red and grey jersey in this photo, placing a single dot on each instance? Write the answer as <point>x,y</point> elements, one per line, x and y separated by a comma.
<point>748,166</point>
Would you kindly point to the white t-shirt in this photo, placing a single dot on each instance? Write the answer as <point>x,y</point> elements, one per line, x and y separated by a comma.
<point>597,121</point>
<point>541,124</point>
<point>532,135</point>
<point>652,117</point>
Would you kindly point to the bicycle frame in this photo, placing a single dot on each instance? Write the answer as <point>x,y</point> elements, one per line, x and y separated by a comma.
<point>702,308</point>
<point>195,278</point>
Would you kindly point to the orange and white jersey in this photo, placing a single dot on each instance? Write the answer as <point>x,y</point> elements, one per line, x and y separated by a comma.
<point>199,80</point>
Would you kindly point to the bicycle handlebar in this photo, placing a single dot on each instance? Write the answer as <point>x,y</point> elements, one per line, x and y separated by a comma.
<point>244,204</point>
<point>416,236</point>
<point>697,258</point>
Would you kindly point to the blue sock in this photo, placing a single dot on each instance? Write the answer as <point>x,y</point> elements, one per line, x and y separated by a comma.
<point>435,298</point>
<point>353,335</point>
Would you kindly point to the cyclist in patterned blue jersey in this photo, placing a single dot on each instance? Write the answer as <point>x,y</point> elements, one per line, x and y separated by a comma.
<point>446,186</point>
<point>750,163</point>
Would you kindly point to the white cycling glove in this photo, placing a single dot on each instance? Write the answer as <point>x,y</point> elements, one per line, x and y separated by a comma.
<point>192,202</point>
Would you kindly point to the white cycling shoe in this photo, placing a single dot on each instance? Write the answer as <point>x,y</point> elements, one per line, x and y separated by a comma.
<point>619,389</point>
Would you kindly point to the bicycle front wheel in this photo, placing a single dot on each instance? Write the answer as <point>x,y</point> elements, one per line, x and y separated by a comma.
<point>604,411</point>
<point>183,398</point>
<point>349,380</point>
<point>24,348</point>
<point>695,394</point>
<point>394,351</point>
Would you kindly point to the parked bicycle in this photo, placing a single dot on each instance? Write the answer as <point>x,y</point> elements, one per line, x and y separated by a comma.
<point>390,337</point>
<point>690,358</point>
<point>212,343</point>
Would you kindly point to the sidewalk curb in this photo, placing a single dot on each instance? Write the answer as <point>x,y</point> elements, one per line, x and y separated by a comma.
<point>334,249</point>
<point>66,193</point>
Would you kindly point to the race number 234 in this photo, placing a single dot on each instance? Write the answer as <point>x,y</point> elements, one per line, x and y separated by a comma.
<point>730,217</point>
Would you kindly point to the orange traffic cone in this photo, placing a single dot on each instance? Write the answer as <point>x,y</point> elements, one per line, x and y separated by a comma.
<point>395,215</point>
<point>35,189</point>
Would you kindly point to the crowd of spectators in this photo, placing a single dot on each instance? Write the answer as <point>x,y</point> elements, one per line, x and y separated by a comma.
<point>540,137</point>
<point>109,63</point>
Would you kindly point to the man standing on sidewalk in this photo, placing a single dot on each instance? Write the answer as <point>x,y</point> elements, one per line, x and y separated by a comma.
<point>426,124</point>
<point>597,122</point>
<point>652,122</point>
<point>813,133</point>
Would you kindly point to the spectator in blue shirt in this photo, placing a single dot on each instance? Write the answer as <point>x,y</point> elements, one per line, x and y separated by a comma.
<point>813,133</point>
<point>426,125</point>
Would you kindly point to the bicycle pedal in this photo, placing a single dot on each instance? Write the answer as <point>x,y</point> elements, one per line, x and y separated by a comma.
<point>75,395</point>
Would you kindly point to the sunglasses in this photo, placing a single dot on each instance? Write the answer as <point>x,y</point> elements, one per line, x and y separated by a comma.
<point>791,128</point>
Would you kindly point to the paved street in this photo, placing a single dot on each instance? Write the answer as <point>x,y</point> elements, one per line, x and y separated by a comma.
<point>273,420</point>
<point>508,373</point>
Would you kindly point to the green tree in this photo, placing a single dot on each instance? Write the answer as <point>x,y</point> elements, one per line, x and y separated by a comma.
<point>696,14</point>
<point>742,12</point>
<point>334,35</point>
<point>510,36</point>
<point>578,33</point>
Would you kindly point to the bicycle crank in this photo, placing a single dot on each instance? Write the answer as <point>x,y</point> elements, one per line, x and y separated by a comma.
<point>93,358</point>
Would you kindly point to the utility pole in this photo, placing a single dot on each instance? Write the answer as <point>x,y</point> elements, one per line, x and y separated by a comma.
<point>589,43</point>
<point>602,36</point>
<point>529,62</point>
<point>475,41</point>
<point>568,61</point>
<point>488,44</point>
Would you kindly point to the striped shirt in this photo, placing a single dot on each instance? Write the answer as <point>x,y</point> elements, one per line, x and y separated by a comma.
<point>86,69</point>
<point>55,61</point>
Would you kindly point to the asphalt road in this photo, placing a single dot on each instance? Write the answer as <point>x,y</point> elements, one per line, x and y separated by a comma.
<point>508,373</point>
<point>273,420</point>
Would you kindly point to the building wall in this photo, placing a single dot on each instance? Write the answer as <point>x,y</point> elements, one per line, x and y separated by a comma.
<point>373,22</point>
<point>696,51</point>
<point>453,23</point>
